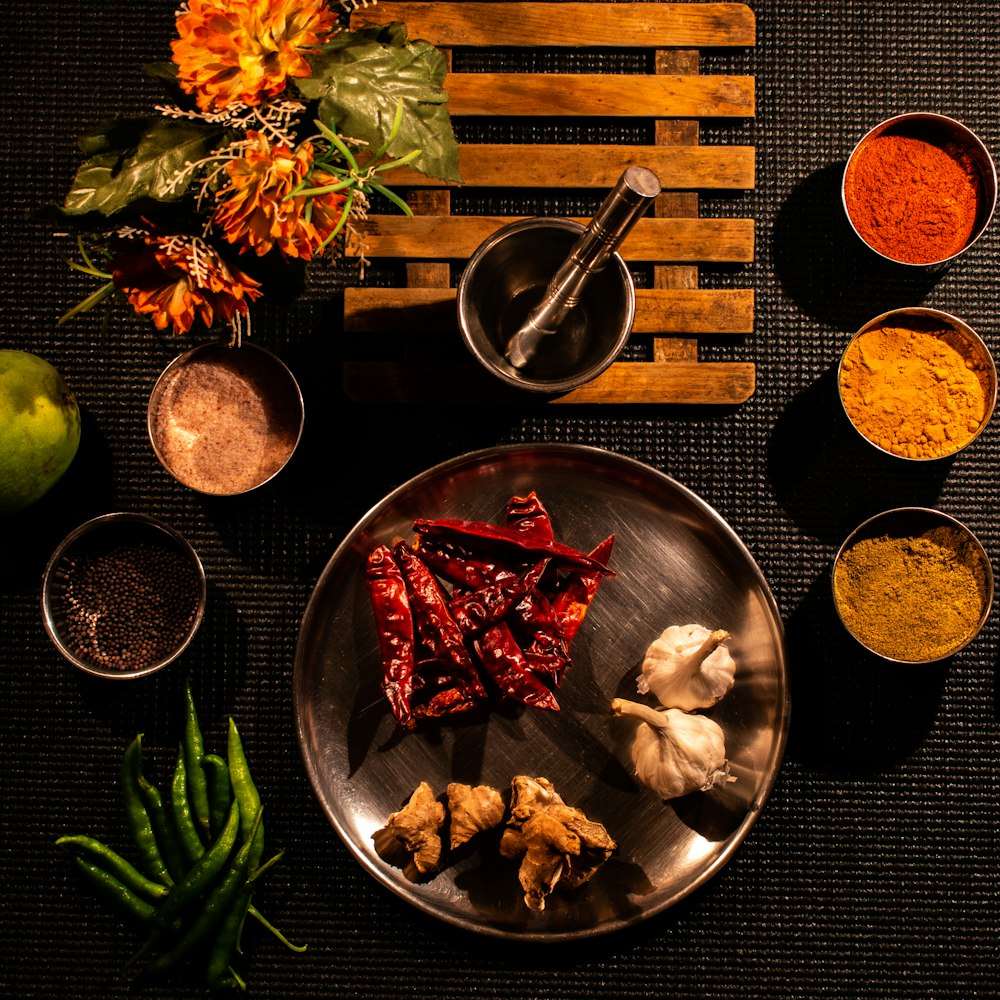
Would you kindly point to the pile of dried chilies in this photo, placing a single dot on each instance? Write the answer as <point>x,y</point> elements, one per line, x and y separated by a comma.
<point>200,854</point>
<point>477,610</point>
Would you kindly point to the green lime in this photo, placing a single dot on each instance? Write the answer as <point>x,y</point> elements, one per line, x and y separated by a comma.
<point>39,429</point>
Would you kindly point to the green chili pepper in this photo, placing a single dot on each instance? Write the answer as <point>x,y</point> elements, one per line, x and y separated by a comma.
<point>163,828</point>
<point>114,864</point>
<point>203,873</point>
<point>194,750</point>
<point>120,896</point>
<point>219,903</point>
<point>190,839</point>
<point>227,940</point>
<point>220,792</point>
<point>245,790</point>
<point>264,922</point>
<point>139,823</point>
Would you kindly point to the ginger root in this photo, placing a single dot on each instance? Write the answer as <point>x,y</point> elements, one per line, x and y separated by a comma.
<point>472,810</point>
<point>412,835</point>
<point>558,845</point>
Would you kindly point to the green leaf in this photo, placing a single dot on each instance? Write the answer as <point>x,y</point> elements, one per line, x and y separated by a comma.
<point>136,159</point>
<point>161,71</point>
<point>358,79</point>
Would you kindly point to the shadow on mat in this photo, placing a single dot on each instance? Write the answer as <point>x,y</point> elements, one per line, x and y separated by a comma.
<point>823,266</point>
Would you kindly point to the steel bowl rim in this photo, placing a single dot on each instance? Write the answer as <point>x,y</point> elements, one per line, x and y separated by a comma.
<point>97,524</point>
<point>930,513</point>
<point>961,327</point>
<point>551,387</point>
<point>186,356</point>
<point>973,139</point>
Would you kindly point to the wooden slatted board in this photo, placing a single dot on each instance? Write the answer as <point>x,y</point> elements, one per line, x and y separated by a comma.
<point>675,97</point>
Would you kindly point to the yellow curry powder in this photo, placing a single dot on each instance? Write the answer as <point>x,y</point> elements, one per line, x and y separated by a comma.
<point>918,391</point>
<point>913,597</point>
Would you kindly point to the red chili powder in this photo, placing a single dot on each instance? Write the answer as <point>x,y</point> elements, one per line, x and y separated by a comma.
<point>912,200</point>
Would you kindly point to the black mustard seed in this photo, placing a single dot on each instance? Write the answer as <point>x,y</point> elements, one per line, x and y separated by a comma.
<point>129,606</point>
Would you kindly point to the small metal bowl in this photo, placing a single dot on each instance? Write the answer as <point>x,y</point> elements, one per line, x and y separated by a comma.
<point>225,420</point>
<point>123,595</point>
<point>949,135</point>
<point>961,337</point>
<point>506,278</point>
<point>907,522</point>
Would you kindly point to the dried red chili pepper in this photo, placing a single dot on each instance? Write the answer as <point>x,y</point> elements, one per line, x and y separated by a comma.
<point>504,661</point>
<point>507,538</point>
<point>521,594</point>
<point>537,630</point>
<point>450,701</point>
<point>457,565</point>
<point>528,516</point>
<point>435,693</point>
<point>478,609</point>
<point>394,624</point>
<point>577,592</point>
<point>435,625</point>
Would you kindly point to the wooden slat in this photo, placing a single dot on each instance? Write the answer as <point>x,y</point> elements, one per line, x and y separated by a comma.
<point>416,311</point>
<point>583,166</point>
<point>674,204</point>
<point>450,237</point>
<point>631,382</point>
<point>675,312</point>
<point>596,95</point>
<point>594,25</point>
<point>721,382</point>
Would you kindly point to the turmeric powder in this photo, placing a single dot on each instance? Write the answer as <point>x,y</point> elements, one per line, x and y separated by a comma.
<point>919,391</point>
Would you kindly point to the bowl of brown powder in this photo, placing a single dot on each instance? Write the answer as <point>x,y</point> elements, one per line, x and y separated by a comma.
<point>225,420</point>
<point>913,585</point>
<point>123,595</point>
<point>918,383</point>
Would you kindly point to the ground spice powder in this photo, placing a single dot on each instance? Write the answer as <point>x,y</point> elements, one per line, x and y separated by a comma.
<point>225,422</point>
<point>915,597</point>
<point>917,391</point>
<point>911,199</point>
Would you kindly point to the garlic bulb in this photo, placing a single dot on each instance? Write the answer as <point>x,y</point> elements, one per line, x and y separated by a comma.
<point>688,667</point>
<point>675,753</point>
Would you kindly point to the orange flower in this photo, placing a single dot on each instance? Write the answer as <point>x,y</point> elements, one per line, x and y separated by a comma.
<point>257,210</point>
<point>173,279</point>
<point>243,51</point>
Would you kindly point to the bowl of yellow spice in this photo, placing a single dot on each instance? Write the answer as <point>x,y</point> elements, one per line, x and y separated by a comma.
<point>918,383</point>
<point>913,585</point>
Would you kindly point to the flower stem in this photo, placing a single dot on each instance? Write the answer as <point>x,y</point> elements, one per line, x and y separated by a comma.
<point>89,302</point>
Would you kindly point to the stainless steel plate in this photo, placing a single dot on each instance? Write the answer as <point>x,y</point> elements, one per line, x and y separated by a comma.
<point>676,562</point>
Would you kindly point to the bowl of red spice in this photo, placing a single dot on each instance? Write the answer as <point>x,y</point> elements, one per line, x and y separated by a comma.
<point>123,595</point>
<point>918,383</point>
<point>919,189</point>
<point>913,585</point>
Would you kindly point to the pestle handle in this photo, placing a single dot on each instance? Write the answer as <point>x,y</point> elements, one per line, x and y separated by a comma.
<point>624,205</point>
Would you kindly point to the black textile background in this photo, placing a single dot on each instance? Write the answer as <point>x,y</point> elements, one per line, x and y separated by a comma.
<point>873,870</point>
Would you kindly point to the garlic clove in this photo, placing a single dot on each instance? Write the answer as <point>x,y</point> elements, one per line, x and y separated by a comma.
<point>688,667</point>
<point>674,752</point>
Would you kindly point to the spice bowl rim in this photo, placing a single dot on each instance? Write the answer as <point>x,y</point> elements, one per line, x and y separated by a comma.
<point>186,356</point>
<point>510,376</point>
<point>960,327</point>
<point>101,523</point>
<point>930,515</point>
<point>983,157</point>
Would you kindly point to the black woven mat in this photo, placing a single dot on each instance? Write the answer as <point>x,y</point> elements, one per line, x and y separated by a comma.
<point>873,870</point>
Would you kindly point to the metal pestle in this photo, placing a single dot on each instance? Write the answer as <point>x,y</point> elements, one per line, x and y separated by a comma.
<point>621,209</point>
